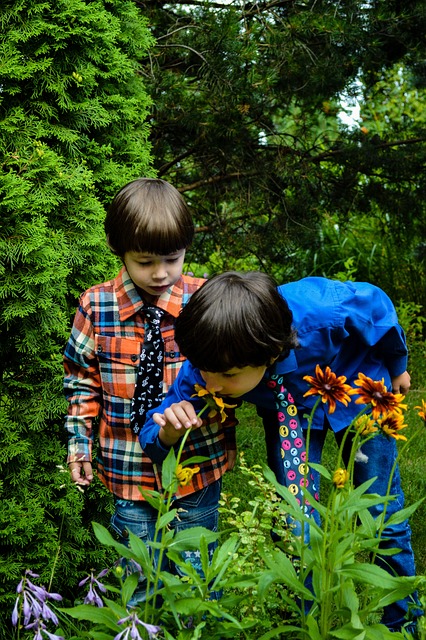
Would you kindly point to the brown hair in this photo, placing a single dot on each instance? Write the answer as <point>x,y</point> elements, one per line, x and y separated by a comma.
<point>235,320</point>
<point>148,215</point>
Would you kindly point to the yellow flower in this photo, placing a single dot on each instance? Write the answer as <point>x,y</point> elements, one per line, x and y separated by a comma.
<point>375,393</point>
<point>365,425</point>
<point>332,388</point>
<point>213,401</point>
<point>422,411</point>
<point>184,474</point>
<point>340,478</point>
<point>391,424</point>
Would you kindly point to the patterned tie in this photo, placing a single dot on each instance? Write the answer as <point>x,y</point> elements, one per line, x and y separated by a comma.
<point>293,451</point>
<point>149,380</point>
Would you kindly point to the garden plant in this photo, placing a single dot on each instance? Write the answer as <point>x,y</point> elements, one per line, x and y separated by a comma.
<point>342,598</point>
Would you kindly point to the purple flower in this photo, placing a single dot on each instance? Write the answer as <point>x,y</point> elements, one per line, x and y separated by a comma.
<point>131,632</point>
<point>40,628</point>
<point>92,596</point>
<point>32,604</point>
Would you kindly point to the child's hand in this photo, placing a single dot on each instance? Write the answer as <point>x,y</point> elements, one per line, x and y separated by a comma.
<point>81,472</point>
<point>175,420</point>
<point>401,383</point>
<point>232,458</point>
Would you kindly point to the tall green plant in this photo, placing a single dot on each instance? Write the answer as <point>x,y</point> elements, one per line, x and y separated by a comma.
<point>72,131</point>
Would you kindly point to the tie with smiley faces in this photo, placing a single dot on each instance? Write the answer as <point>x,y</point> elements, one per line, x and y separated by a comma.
<point>293,452</point>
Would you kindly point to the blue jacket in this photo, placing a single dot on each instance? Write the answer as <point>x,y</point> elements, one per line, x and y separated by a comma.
<point>350,326</point>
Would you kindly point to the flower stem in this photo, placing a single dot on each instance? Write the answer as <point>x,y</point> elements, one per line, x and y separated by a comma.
<point>170,493</point>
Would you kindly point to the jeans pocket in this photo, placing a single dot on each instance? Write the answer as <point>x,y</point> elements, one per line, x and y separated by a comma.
<point>130,516</point>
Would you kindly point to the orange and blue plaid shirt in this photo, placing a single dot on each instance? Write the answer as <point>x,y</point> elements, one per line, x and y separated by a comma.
<point>101,361</point>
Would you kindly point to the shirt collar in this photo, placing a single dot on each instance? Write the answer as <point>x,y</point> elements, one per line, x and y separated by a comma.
<point>130,302</point>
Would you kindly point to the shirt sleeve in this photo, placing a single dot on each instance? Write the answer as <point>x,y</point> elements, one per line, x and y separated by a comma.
<point>183,388</point>
<point>82,387</point>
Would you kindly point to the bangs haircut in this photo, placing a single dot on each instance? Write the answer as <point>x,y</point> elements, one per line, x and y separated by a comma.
<point>148,216</point>
<point>235,320</point>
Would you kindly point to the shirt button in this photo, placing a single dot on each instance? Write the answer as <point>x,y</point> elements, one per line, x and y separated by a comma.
<point>99,349</point>
<point>172,354</point>
<point>133,358</point>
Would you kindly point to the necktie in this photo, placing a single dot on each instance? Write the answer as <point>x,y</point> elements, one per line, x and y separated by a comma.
<point>149,381</point>
<point>292,441</point>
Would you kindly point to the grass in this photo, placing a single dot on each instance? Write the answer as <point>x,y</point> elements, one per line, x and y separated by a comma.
<point>250,440</point>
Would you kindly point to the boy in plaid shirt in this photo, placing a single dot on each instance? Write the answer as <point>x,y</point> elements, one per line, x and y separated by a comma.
<point>149,226</point>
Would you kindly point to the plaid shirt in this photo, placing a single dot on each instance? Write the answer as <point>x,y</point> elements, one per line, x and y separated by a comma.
<point>101,361</point>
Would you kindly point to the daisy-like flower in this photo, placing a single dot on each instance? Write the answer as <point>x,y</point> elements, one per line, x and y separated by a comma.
<point>374,392</point>
<point>340,478</point>
<point>365,425</point>
<point>391,424</point>
<point>330,387</point>
<point>184,474</point>
<point>422,411</point>
<point>214,402</point>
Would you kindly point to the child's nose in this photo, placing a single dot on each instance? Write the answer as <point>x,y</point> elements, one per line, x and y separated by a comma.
<point>212,384</point>
<point>160,272</point>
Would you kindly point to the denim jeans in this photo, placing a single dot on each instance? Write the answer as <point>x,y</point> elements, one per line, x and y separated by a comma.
<point>197,509</point>
<point>376,458</point>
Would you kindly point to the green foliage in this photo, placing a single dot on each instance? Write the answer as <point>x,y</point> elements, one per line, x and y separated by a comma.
<point>72,132</point>
<point>264,584</point>
<point>247,122</point>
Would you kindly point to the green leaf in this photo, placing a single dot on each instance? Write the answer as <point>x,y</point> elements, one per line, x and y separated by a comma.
<point>103,535</point>
<point>348,632</point>
<point>168,472</point>
<point>380,632</point>
<point>321,469</point>
<point>403,514</point>
<point>312,624</point>
<point>283,629</point>
<point>140,551</point>
<point>281,570</point>
<point>375,576</point>
<point>194,460</point>
<point>129,586</point>
<point>116,607</point>
<point>155,499</point>
<point>99,615</point>
<point>166,518</point>
<point>189,539</point>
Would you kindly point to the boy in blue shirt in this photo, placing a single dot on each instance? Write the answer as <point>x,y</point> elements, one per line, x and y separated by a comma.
<point>239,333</point>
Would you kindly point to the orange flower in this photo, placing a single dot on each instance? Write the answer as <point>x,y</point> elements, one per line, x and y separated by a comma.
<point>216,403</point>
<point>184,474</point>
<point>422,411</point>
<point>391,424</point>
<point>340,478</point>
<point>365,425</point>
<point>330,387</point>
<point>375,393</point>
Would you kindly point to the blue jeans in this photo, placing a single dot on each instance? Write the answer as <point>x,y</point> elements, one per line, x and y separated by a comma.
<point>378,458</point>
<point>198,509</point>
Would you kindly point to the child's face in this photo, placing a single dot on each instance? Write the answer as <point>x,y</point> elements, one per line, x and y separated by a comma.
<point>235,382</point>
<point>152,273</point>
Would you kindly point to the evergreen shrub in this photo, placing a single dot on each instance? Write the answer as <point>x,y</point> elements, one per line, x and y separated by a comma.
<point>73,130</point>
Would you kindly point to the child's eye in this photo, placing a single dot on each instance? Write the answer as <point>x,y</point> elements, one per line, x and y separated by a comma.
<point>173,259</point>
<point>144,264</point>
<point>228,375</point>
